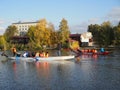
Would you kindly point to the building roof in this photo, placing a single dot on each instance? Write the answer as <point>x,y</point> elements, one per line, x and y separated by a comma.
<point>25,22</point>
<point>75,35</point>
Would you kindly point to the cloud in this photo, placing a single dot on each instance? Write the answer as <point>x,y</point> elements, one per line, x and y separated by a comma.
<point>113,16</point>
<point>79,28</point>
<point>93,21</point>
<point>114,13</point>
<point>2,30</point>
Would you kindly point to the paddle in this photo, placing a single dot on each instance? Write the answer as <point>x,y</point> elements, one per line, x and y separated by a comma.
<point>3,54</point>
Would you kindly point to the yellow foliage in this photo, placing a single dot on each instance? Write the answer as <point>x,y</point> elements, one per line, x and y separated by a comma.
<point>74,45</point>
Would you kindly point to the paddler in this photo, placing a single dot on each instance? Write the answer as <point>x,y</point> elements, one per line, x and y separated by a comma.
<point>14,51</point>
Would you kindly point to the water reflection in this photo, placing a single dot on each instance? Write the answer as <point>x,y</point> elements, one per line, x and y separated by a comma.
<point>42,67</point>
<point>90,73</point>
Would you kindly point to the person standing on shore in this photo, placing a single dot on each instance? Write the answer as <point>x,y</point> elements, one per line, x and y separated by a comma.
<point>59,46</point>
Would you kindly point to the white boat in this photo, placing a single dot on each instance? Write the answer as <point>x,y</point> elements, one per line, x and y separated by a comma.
<point>52,58</point>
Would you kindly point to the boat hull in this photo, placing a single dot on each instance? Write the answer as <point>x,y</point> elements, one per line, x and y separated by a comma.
<point>98,53</point>
<point>42,58</point>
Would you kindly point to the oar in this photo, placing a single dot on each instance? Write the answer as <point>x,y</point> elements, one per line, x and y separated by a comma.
<point>3,54</point>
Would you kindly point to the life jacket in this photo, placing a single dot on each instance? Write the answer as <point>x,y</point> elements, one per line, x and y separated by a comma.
<point>37,54</point>
<point>46,55</point>
<point>14,49</point>
<point>41,55</point>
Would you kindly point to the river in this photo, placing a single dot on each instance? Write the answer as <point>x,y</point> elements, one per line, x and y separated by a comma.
<point>89,73</point>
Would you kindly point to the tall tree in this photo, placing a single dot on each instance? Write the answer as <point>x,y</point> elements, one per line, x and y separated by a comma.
<point>31,35</point>
<point>53,34</point>
<point>42,34</point>
<point>64,31</point>
<point>108,34</point>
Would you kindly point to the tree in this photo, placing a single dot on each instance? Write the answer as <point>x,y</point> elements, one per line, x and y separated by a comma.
<point>2,43</point>
<point>53,34</point>
<point>108,34</point>
<point>95,30</point>
<point>31,35</point>
<point>64,31</point>
<point>117,35</point>
<point>103,35</point>
<point>10,32</point>
<point>42,33</point>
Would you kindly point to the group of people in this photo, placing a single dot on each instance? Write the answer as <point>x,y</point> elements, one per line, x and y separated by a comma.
<point>35,54</point>
<point>30,54</point>
<point>94,51</point>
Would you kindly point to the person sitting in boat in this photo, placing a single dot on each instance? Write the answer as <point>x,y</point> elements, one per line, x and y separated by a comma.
<point>37,54</point>
<point>94,51</point>
<point>102,50</point>
<point>46,54</point>
<point>42,54</point>
<point>25,54</point>
<point>14,51</point>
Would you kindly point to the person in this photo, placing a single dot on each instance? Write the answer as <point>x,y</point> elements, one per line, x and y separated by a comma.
<point>25,54</point>
<point>37,56</point>
<point>47,54</point>
<point>43,54</point>
<point>59,46</point>
<point>14,51</point>
<point>102,50</point>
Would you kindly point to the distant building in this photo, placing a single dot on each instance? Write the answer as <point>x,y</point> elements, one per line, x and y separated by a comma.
<point>84,39</point>
<point>76,37</point>
<point>23,27</point>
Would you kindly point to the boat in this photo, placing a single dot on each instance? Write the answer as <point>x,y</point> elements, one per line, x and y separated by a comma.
<point>51,58</point>
<point>97,53</point>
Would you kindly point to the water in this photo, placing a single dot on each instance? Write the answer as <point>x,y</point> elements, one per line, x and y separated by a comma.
<point>90,73</point>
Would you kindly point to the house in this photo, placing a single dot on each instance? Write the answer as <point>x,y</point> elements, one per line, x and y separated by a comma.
<point>84,39</point>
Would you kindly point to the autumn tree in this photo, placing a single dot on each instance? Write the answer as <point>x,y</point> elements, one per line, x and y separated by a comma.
<point>2,43</point>
<point>53,34</point>
<point>39,35</point>
<point>42,34</point>
<point>31,35</point>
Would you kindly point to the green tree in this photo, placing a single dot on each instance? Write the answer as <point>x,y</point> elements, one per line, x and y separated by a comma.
<point>10,32</point>
<point>95,30</point>
<point>107,33</point>
<point>103,35</point>
<point>117,35</point>
<point>63,31</point>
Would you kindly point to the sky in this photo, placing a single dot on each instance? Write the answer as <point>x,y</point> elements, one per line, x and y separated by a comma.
<point>78,13</point>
